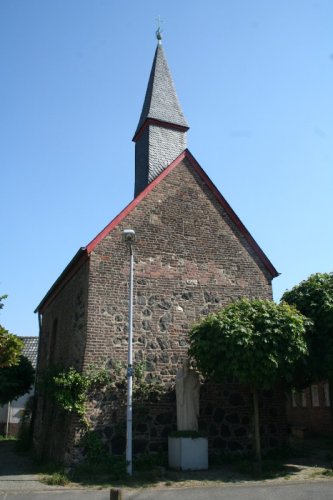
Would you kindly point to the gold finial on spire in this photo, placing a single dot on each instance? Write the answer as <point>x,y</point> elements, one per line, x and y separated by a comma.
<point>159,31</point>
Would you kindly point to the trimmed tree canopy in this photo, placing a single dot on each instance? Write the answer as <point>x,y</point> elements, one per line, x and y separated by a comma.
<point>16,380</point>
<point>10,345</point>
<point>314,298</point>
<point>256,341</point>
<point>10,348</point>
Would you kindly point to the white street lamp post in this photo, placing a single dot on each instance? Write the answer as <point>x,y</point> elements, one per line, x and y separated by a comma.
<point>129,240</point>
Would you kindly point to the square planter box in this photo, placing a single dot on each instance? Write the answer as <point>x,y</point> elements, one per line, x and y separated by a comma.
<point>186,453</point>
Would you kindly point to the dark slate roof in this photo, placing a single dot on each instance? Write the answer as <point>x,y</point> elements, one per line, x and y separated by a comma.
<point>30,349</point>
<point>161,101</point>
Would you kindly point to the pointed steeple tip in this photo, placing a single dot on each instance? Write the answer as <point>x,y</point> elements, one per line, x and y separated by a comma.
<point>159,31</point>
<point>159,35</point>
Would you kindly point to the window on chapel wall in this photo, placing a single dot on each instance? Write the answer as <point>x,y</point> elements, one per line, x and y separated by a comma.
<point>315,395</point>
<point>298,398</point>
<point>327,394</point>
<point>53,342</point>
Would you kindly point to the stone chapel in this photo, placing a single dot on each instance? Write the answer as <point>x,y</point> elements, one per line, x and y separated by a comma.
<point>193,256</point>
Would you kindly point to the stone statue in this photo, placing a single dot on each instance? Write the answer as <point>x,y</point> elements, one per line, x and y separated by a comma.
<point>187,396</point>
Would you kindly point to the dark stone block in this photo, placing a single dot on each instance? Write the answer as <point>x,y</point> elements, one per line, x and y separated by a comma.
<point>272,429</point>
<point>142,281</point>
<point>166,432</point>
<point>273,412</point>
<point>187,295</point>
<point>164,304</point>
<point>141,300</point>
<point>273,443</point>
<point>153,432</point>
<point>164,418</point>
<point>232,418</point>
<point>241,431</point>
<point>146,312</point>
<point>158,447</point>
<point>219,444</point>
<point>209,409</point>
<point>141,428</point>
<point>150,366</point>
<point>108,432</point>
<point>210,298</point>
<point>236,399</point>
<point>164,357</point>
<point>152,300</point>
<point>164,344</point>
<point>140,445</point>
<point>118,445</point>
<point>145,324</point>
<point>234,446</point>
<point>224,431</point>
<point>213,430</point>
<point>219,415</point>
<point>203,426</point>
<point>165,322</point>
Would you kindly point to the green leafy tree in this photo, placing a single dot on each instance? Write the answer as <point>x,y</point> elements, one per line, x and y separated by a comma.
<point>10,345</point>
<point>16,380</point>
<point>313,297</point>
<point>255,341</point>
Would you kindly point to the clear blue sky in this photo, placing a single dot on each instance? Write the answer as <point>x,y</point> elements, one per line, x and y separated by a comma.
<point>255,81</point>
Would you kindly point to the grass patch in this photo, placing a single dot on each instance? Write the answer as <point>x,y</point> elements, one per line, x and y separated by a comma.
<point>8,438</point>
<point>147,469</point>
<point>328,473</point>
<point>55,479</point>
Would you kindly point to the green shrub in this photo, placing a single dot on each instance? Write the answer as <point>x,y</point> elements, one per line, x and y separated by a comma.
<point>55,479</point>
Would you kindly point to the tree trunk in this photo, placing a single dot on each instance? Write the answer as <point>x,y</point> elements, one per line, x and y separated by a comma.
<point>256,424</point>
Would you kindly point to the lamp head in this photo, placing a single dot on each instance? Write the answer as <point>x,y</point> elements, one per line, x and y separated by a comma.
<point>128,236</point>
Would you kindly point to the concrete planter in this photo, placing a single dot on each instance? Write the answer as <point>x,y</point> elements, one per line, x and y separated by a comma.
<point>187,453</point>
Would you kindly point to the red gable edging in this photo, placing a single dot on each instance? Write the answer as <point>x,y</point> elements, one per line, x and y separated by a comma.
<point>233,216</point>
<point>84,252</point>
<point>90,247</point>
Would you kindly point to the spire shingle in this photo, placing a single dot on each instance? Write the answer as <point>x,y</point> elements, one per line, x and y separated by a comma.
<point>161,101</point>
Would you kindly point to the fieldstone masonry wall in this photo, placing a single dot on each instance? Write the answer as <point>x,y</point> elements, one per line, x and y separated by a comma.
<point>63,341</point>
<point>190,259</point>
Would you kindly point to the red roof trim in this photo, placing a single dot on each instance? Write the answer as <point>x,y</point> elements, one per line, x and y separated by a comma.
<point>90,247</point>
<point>233,216</point>
<point>83,253</point>
<point>70,270</point>
<point>161,123</point>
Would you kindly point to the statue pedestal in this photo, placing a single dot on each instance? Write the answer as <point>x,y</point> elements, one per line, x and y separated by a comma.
<point>187,453</point>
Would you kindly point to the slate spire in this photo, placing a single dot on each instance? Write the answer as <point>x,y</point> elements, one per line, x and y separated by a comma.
<point>161,132</point>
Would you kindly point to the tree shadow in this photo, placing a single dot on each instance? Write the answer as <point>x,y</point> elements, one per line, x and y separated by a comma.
<point>13,462</point>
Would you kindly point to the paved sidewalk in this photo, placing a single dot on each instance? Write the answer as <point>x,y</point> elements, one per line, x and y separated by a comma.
<point>18,481</point>
<point>307,490</point>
